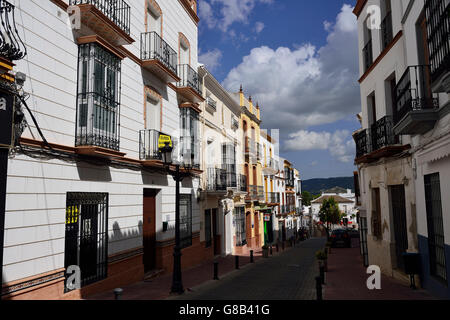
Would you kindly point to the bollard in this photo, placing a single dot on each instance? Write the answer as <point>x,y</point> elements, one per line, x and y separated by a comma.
<point>322,274</point>
<point>251,257</point>
<point>237,262</point>
<point>216,271</point>
<point>319,288</point>
<point>271,252</point>
<point>282,245</point>
<point>117,293</point>
<point>278,247</point>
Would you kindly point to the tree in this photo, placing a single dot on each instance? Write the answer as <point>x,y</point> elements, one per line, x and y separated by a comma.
<point>329,214</point>
<point>306,198</point>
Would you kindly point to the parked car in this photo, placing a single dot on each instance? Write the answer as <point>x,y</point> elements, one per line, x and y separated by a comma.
<point>340,237</point>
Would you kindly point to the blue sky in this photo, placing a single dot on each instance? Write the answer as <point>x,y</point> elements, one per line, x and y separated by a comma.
<point>299,60</point>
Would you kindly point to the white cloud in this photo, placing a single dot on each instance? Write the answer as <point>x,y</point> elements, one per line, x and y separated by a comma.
<point>340,143</point>
<point>223,13</point>
<point>259,26</point>
<point>211,59</point>
<point>304,86</point>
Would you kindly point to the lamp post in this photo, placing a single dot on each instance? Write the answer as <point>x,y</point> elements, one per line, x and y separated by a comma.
<point>166,152</point>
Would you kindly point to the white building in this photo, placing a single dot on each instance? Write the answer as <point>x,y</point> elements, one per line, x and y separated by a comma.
<point>102,93</point>
<point>403,147</point>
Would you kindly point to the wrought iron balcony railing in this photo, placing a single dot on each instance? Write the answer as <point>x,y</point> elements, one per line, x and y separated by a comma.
<point>153,47</point>
<point>382,134</point>
<point>242,183</point>
<point>11,45</point>
<point>438,27</point>
<point>216,179</point>
<point>231,180</point>
<point>118,11</point>
<point>273,197</point>
<point>260,193</point>
<point>368,55</point>
<point>362,143</point>
<point>386,30</point>
<point>413,92</point>
<point>189,78</point>
<point>149,145</point>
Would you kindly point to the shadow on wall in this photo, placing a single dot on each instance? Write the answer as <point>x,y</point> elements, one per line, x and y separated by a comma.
<point>155,179</point>
<point>88,172</point>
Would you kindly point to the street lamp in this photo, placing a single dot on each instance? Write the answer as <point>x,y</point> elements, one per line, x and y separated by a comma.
<point>166,152</point>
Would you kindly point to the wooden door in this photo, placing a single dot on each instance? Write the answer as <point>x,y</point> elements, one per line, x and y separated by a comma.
<point>149,230</point>
<point>216,235</point>
<point>248,227</point>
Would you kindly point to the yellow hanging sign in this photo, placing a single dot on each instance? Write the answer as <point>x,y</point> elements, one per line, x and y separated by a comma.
<point>163,139</point>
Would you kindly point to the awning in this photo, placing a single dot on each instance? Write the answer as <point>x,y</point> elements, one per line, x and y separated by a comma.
<point>262,208</point>
<point>434,153</point>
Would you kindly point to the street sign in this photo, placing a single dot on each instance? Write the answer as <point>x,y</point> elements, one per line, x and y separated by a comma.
<point>267,217</point>
<point>163,139</point>
<point>6,119</point>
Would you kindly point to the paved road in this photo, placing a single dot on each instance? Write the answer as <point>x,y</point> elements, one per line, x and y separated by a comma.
<point>288,276</point>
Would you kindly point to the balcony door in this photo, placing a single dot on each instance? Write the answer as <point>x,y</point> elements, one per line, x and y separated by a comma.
<point>154,21</point>
<point>424,58</point>
<point>149,229</point>
<point>184,53</point>
<point>400,226</point>
<point>153,113</point>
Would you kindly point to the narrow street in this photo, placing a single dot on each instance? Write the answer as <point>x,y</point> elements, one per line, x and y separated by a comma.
<point>288,276</point>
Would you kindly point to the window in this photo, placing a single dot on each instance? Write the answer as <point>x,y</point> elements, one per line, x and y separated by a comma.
<point>154,19</point>
<point>153,113</point>
<point>185,221</point>
<point>436,241</point>
<point>86,243</point>
<point>367,50</point>
<point>376,213</point>
<point>190,142</point>
<point>239,215</point>
<point>98,96</point>
<point>229,163</point>
<point>208,239</point>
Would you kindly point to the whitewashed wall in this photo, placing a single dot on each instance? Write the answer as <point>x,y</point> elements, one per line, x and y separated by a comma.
<point>36,190</point>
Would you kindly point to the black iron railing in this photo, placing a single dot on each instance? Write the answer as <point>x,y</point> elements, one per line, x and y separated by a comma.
<point>189,78</point>
<point>252,192</point>
<point>211,103</point>
<point>242,183</point>
<point>260,193</point>
<point>231,180</point>
<point>273,197</point>
<point>368,55</point>
<point>118,11</point>
<point>382,133</point>
<point>153,47</point>
<point>438,25</point>
<point>11,45</point>
<point>98,105</point>
<point>149,145</point>
<point>413,92</point>
<point>216,179</point>
<point>386,30</point>
<point>362,143</point>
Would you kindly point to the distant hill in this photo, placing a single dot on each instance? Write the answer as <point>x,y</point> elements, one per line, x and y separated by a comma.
<point>317,186</point>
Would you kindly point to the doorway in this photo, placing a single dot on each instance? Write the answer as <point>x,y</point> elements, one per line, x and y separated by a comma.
<point>149,229</point>
<point>400,227</point>
<point>216,235</point>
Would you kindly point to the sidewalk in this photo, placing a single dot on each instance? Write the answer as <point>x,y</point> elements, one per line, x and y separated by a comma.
<point>346,280</point>
<point>159,288</point>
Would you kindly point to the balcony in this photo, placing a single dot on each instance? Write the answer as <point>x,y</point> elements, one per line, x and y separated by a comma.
<point>149,144</point>
<point>110,19</point>
<point>377,142</point>
<point>386,30</point>
<point>271,168</point>
<point>273,197</point>
<point>250,150</point>
<point>11,45</point>
<point>234,123</point>
<point>158,57</point>
<point>242,183</point>
<point>216,180</point>
<point>368,55</point>
<point>416,105</point>
<point>438,27</point>
<point>231,179</point>
<point>189,85</point>
<point>255,193</point>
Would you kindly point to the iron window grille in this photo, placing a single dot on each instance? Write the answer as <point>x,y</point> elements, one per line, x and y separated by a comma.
<point>98,98</point>
<point>185,221</point>
<point>229,164</point>
<point>386,30</point>
<point>242,183</point>
<point>368,55</point>
<point>86,237</point>
<point>153,47</point>
<point>438,29</point>
<point>11,45</point>
<point>436,240</point>
<point>118,11</point>
<point>241,234</point>
<point>190,141</point>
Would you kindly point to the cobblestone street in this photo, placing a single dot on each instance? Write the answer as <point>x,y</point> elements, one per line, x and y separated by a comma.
<point>287,276</point>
